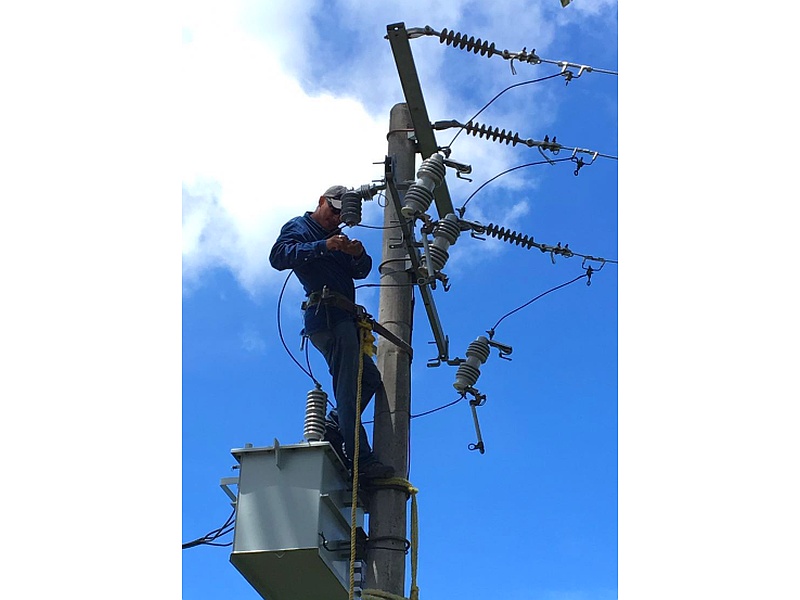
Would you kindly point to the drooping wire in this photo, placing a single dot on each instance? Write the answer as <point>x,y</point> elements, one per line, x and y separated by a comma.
<point>280,333</point>
<point>377,226</point>
<point>529,302</point>
<point>385,285</point>
<point>427,412</point>
<point>433,410</point>
<point>511,87</point>
<point>485,183</point>
<point>209,538</point>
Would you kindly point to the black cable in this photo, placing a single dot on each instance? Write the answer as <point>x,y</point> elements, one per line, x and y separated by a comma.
<point>376,226</point>
<point>484,184</point>
<point>213,535</point>
<point>500,94</point>
<point>363,285</point>
<point>428,412</point>
<point>280,331</point>
<point>558,287</point>
<point>425,413</point>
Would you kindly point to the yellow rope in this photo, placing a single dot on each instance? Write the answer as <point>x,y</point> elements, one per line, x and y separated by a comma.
<point>412,491</point>
<point>368,348</point>
<point>367,341</point>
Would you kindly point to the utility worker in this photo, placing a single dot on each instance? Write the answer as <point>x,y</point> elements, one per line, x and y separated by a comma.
<point>326,262</point>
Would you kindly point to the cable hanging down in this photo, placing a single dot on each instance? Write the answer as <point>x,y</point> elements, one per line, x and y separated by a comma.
<point>283,340</point>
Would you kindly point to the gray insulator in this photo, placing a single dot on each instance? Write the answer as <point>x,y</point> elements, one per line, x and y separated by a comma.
<point>433,168</point>
<point>417,200</point>
<point>420,194</point>
<point>314,426</point>
<point>446,233</point>
<point>436,258</point>
<point>366,191</point>
<point>469,371</point>
<point>351,208</point>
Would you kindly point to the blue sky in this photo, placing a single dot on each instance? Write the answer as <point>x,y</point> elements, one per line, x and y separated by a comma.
<point>138,352</point>
<point>305,104</point>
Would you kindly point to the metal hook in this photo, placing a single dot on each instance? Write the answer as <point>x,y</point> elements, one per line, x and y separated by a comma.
<point>547,158</point>
<point>579,162</point>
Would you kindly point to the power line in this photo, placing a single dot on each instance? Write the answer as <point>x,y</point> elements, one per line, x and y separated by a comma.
<point>529,302</point>
<point>511,87</point>
<point>484,184</point>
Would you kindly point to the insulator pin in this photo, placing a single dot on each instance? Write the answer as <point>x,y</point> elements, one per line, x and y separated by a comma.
<point>469,371</point>
<point>420,194</point>
<point>314,426</point>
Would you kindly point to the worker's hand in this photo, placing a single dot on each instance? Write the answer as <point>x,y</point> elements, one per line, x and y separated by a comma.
<point>354,248</point>
<point>344,244</point>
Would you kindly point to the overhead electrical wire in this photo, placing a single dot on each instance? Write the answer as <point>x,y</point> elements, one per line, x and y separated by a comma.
<point>377,226</point>
<point>434,410</point>
<point>484,184</point>
<point>529,302</point>
<point>511,87</point>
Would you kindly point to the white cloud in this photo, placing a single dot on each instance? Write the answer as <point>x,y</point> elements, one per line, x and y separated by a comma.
<point>270,118</point>
<point>256,150</point>
<point>252,341</point>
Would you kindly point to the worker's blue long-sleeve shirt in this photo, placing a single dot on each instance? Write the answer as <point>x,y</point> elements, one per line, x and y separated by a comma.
<point>301,246</point>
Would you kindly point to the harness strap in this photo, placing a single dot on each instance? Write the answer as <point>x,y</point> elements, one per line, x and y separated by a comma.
<point>337,300</point>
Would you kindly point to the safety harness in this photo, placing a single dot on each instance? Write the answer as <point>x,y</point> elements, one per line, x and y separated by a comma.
<point>330,298</point>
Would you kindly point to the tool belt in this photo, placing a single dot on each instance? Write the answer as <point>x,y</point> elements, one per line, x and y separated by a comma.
<point>330,298</point>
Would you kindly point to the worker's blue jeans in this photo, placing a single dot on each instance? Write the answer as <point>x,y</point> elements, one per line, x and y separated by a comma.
<point>341,347</point>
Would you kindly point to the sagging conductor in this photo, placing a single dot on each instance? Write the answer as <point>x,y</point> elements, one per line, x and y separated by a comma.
<point>324,258</point>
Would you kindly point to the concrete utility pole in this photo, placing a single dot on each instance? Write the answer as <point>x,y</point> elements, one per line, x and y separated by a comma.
<point>387,517</point>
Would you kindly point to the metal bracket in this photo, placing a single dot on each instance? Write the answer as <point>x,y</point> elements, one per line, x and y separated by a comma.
<point>413,255</point>
<point>398,38</point>
<point>224,483</point>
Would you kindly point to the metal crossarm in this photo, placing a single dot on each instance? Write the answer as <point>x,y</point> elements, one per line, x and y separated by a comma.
<point>409,80</point>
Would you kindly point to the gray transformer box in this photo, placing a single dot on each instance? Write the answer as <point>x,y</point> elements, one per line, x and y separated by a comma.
<point>291,538</point>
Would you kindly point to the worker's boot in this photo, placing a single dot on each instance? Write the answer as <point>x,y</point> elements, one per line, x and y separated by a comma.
<point>334,437</point>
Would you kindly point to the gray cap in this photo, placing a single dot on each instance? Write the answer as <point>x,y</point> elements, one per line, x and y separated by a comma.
<point>334,195</point>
